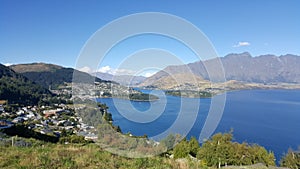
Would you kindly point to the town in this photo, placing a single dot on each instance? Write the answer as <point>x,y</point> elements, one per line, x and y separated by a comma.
<point>46,120</point>
<point>59,116</point>
<point>56,119</point>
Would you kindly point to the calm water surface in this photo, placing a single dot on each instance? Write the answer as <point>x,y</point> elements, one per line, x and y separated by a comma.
<point>270,118</point>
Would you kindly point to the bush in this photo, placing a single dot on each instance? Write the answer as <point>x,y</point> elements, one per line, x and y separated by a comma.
<point>220,150</point>
<point>291,159</point>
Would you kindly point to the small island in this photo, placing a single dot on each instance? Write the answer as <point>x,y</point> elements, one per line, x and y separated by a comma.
<point>139,96</point>
<point>190,93</point>
<point>143,97</point>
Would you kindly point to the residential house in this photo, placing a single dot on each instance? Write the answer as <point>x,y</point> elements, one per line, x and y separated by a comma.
<point>1,108</point>
<point>49,113</point>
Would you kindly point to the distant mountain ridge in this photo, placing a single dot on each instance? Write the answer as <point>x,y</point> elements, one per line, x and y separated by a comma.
<point>262,69</point>
<point>242,67</point>
<point>126,80</point>
<point>35,67</point>
<point>57,77</point>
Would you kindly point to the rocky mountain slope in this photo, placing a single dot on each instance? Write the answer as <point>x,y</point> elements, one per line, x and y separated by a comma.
<point>265,69</point>
<point>177,81</point>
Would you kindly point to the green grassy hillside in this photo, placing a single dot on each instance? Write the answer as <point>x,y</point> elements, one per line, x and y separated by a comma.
<point>31,153</point>
<point>74,156</point>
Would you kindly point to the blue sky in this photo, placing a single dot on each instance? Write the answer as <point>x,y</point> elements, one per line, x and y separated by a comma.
<point>55,31</point>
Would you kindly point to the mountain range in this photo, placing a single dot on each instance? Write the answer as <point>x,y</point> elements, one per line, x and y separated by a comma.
<point>264,69</point>
<point>239,69</point>
<point>57,77</point>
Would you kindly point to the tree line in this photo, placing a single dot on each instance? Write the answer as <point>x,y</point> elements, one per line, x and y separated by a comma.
<point>220,150</point>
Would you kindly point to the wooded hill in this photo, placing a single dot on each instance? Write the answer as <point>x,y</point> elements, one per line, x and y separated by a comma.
<point>49,75</point>
<point>17,89</point>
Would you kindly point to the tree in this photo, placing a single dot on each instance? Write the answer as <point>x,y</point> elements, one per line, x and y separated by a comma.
<point>181,150</point>
<point>261,155</point>
<point>241,154</point>
<point>291,160</point>
<point>193,146</point>
<point>218,150</point>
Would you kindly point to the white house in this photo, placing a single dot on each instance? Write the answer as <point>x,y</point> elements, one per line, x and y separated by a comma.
<point>1,108</point>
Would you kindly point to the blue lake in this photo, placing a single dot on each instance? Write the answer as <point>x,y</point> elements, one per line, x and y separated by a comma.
<point>270,118</point>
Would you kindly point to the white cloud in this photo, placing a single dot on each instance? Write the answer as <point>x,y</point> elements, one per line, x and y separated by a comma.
<point>86,69</point>
<point>148,74</point>
<point>108,69</point>
<point>7,64</point>
<point>240,44</point>
<point>112,71</point>
<point>104,69</point>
